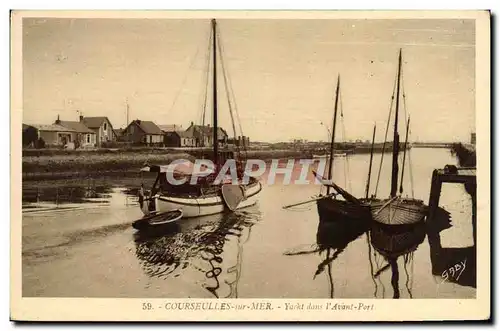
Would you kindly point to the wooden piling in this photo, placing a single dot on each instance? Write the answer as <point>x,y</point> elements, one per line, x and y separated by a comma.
<point>435,193</point>
<point>466,176</point>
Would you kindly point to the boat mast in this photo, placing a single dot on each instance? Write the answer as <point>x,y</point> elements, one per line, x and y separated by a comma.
<point>330,166</point>
<point>404,156</point>
<point>395,143</point>
<point>371,159</point>
<point>215,136</point>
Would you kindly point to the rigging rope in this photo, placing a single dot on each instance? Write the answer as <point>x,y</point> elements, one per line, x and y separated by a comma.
<point>184,80</point>
<point>208,66</point>
<point>410,165</point>
<point>385,137</point>
<point>231,91</point>
<point>347,177</point>
<point>224,75</point>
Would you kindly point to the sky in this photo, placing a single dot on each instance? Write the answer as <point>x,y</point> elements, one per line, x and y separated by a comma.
<point>283,74</point>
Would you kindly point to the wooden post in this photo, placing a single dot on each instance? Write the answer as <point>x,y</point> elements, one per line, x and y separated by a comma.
<point>434,194</point>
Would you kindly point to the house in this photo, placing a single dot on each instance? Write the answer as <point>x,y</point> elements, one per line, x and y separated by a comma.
<point>175,136</point>
<point>144,132</point>
<point>179,139</point>
<point>101,126</point>
<point>82,136</point>
<point>41,135</point>
<point>203,135</point>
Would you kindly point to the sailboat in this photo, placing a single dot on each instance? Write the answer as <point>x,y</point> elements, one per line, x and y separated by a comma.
<point>397,210</point>
<point>331,209</point>
<point>205,196</point>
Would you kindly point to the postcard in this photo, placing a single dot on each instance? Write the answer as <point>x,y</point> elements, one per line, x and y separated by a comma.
<point>250,165</point>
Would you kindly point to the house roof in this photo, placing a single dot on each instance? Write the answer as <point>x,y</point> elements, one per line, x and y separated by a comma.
<point>148,127</point>
<point>95,122</point>
<point>170,127</point>
<point>78,127</point>
<point>184,134</point>
<point>52,128</point>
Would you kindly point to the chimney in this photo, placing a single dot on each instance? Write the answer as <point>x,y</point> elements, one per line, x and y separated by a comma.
<point>58,121</point>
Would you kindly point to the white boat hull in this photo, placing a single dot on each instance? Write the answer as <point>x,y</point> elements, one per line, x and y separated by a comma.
<point>202,206</point>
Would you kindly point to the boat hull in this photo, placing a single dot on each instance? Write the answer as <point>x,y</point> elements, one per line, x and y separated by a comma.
<point>333,210</point>
<point>204,205</point>
<point>157,220</point>
<point>398,212</point>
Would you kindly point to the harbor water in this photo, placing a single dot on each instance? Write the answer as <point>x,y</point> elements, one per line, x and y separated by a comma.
<point>77,241</point>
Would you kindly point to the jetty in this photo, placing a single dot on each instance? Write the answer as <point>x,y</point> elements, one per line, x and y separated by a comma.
<point>447,262</point>
<point>465,175</point>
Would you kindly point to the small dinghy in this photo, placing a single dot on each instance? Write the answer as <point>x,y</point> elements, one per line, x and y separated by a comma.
<point>158,219</point>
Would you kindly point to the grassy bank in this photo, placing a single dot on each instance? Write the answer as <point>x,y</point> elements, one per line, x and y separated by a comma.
<point>64,165</point>
<point>60,164</point>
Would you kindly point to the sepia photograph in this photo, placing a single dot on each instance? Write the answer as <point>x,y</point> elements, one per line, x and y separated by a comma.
<point>250,165</point>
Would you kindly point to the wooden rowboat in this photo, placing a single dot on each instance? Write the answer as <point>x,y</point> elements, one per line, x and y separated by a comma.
<point>158,219</point>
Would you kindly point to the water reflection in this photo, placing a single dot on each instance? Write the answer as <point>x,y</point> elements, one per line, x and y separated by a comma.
<point>385,247</point>
<point>390,244</point>
<point>452,264</point>
<point>332,239</point>
<point>205,244</point>
<point>60,193</point>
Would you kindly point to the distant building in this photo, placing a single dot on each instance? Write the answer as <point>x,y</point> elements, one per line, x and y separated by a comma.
<point>473,138</point>
<point>102,128</point>
<point>82,136</point>
<point>175,136</point>
<point>46,135</point>
<point>203,135</point>
<point>144,132</point>
<point>179,139</point>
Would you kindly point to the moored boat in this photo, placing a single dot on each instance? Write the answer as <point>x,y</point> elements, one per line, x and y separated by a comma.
<point>397,210</point>
<point>158,219</point>
<point>330,207</point>
<point>202,193</point>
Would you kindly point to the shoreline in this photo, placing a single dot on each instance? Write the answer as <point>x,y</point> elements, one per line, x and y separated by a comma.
<point>47,164</point>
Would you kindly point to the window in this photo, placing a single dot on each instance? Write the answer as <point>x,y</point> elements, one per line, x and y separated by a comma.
<point>145,139</point>
<point>105,126</point>
<point>88,138</point>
